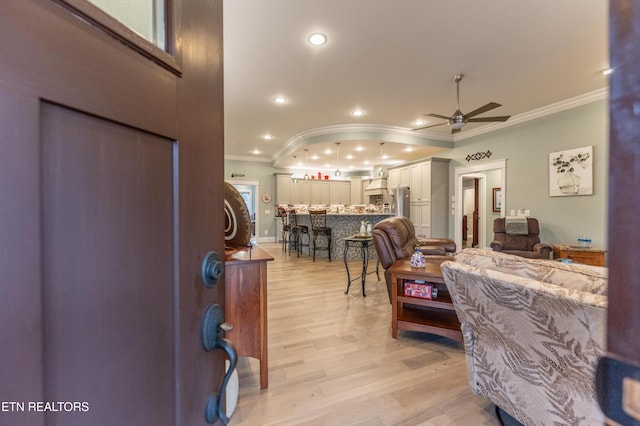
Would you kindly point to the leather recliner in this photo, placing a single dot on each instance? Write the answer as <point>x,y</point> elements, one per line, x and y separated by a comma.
<point>524,245</point>
<point>395,238</point>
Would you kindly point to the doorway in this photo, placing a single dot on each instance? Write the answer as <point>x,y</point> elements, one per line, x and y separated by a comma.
<point>494,172</point>
<point>249,190</point>
<point>470,211</point>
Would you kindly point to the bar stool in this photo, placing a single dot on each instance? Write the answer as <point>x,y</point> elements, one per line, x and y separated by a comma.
<point>286,228</point>
<point>297,233</point>
<point>320,229</point>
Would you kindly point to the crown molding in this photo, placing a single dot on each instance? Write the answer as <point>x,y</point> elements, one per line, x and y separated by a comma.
<point>248,158</point>
<point>555,108</point>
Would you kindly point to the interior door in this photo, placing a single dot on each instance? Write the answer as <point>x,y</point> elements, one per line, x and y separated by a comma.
<point>111,182</point>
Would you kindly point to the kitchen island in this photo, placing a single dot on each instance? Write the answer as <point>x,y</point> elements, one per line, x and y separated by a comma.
<point>343,225</point>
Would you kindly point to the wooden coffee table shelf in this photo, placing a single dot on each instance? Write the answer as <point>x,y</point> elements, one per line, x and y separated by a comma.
<point>436,316</point>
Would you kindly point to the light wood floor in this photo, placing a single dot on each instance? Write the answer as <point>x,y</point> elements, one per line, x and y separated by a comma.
<point>332,360</point>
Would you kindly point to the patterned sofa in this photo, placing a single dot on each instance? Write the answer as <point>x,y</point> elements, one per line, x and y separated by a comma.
<point>533,333</point>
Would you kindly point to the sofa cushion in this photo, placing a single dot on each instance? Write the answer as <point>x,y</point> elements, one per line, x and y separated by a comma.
<point>592,279</point>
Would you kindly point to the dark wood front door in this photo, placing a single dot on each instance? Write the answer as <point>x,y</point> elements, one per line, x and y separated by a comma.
<point>111,184</point>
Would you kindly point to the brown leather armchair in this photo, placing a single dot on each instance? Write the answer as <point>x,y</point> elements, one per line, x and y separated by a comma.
<point>521,244</point>
<point>395,238</point>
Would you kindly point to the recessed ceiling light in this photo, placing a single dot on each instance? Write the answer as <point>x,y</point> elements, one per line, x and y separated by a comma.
<point>357,113</point>
<point>359,148</point>
<point>349,157</point>
<point>267,137</point>
<point>317,39</point>
<point>314,157</point>
<point>366,162</point>
<point>280,100</point>
<point>327,151</point>
<point>408,149</point>
<point>419,122</point>
<point>255,151</point>
<point>607,71</point>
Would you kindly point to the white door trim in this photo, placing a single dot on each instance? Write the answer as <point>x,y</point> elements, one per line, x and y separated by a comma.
<point>473,172</point>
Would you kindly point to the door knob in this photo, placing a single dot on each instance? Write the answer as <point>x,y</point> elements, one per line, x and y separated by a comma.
<point>212,331</point>
<point>212,269</point>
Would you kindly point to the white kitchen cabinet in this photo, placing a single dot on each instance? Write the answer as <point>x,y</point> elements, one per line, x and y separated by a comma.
<point>400,176</point>
<point>429,192</point>
<point>394,178</point>
<point>405,177</point>
<point>339,192</point>
<point>283,188</point>
<point>355,188</point>
<point>320,192</point>
<point>421,218</point>
<point>301,192</point>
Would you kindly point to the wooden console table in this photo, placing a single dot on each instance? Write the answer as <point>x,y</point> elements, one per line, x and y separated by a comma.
<point>435,316</point>
<point>246,304</point>
<point>587,256</point>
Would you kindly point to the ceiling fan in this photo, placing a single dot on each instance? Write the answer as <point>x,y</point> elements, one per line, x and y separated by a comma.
<point>458,119</point>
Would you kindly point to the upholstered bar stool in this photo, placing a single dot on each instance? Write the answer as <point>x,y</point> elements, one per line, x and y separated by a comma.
<point>297,233</point>
<point>320,232</point>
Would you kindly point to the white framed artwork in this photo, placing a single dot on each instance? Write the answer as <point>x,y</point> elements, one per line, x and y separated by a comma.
<point>571,172</point>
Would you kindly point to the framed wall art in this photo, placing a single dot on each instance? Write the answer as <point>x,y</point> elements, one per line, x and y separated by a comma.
<point>571,172</point>
<point>497,200</point>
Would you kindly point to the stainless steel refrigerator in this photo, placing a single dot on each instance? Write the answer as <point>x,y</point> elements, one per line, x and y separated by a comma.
<point>400,200</point>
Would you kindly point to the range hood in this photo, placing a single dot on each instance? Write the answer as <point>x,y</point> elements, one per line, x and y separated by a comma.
<point>376,186</point>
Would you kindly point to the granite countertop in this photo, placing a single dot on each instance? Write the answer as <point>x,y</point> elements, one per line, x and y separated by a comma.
<point>360,214</point>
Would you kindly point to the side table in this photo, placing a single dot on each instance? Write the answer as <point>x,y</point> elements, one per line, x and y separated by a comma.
<point>586,256</point>
<point>246,304</point>
<point>364,243</point>
<point>437,316</point>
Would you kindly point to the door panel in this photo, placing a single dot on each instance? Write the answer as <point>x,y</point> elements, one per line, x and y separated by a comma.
<point>108,278</point>
<point>111,176</point>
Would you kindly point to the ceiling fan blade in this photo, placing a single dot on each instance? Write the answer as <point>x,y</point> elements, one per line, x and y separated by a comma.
<point>433,125</point>
<point>485,108</point>
<point>488,119</point>
<point>438,116</point>
<point>455,130</point>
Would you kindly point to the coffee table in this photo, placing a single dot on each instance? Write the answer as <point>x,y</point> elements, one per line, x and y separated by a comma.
<point>435,316</point>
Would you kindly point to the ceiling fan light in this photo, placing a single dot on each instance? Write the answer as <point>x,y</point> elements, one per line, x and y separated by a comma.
<point>458,125</point>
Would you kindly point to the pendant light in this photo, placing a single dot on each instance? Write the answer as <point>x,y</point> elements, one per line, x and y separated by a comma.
<point>338,172</point>
<point>306,164</point>
<point>294,179</point>
<point>381,172</point>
